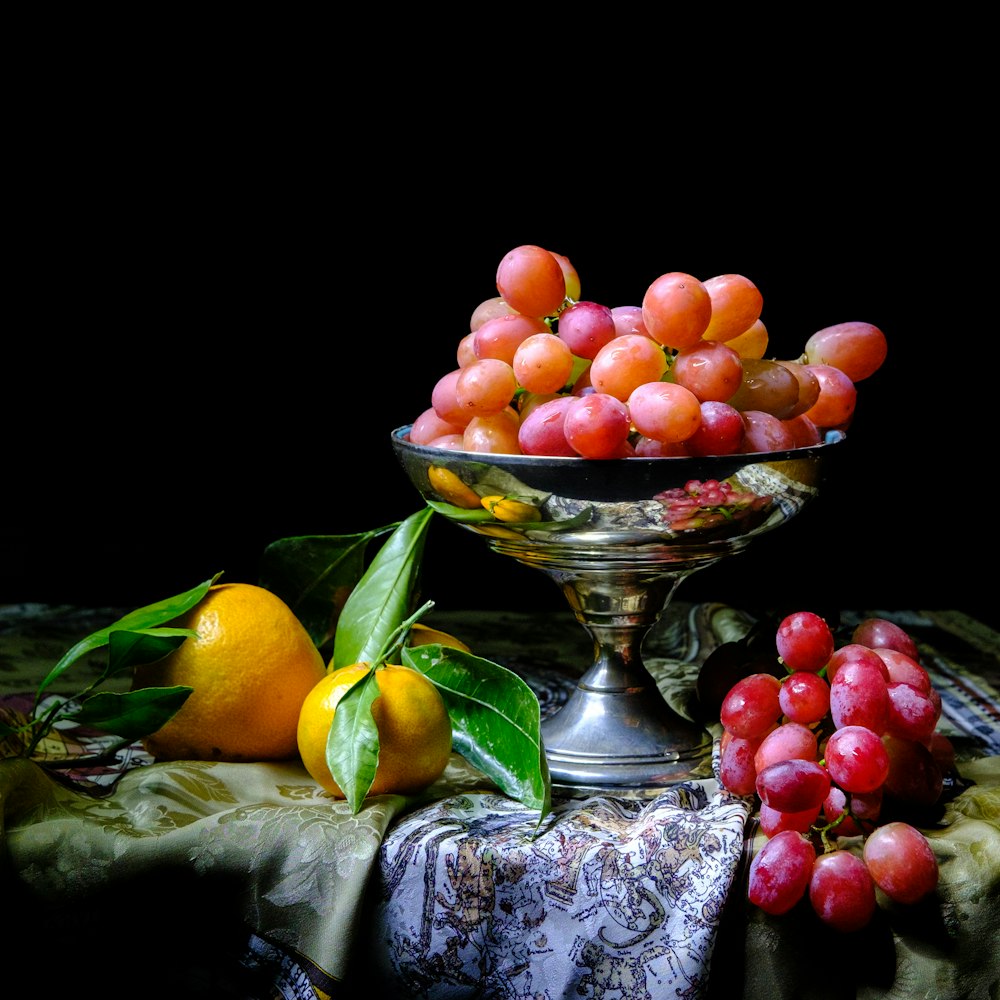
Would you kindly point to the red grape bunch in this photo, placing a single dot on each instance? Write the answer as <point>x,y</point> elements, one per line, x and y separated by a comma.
<point>838,753</point>
<point>681,372</point>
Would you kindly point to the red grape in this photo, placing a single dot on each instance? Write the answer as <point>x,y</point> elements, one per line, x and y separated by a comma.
<point>793,785</point>
<point>856,759</point>
<point>859,696</point>
<point>841,891</point>
<point>751,707</point>
<point>804,697</point>
<point>786,742</point>
<point>901,862</point>
<point>804,641</point>
<point>780,872</point>
<point>881,633</point>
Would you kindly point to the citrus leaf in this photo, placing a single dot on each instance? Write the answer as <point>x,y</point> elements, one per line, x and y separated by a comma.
<point>132,714</point>
<point>146,617</point>
<point>463,514</point>
<point>496,720</point>
<point>352,744</point>
<point>383,597</point>
<point>126,647</point>
<point>315,574</point>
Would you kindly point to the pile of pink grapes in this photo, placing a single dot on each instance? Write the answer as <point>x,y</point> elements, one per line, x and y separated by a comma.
<point>846,738</point>
<point>680,373</point>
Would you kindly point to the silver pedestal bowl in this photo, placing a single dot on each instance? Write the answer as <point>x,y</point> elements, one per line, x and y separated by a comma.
<point>617,537</point>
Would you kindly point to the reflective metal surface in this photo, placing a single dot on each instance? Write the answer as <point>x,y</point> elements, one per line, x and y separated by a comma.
<point>617,537</point>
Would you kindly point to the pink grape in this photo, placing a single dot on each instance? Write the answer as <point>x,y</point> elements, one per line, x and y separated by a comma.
<point>542,363</point>
<point>804,433</point>
<point>651,448</point>
<point>532,281</point>
<point>488,309</point>
<point>676,309</point>
<point>450,442</point>
<point>541,431</point>
<point>709,369</point>
<point>856,759</point>
<point>628,319</point>
<point>500,337</point>
<point>804,641</point>
<point>720,432</point>
<point>444,400</point>
<point>764,432</point>
<point>570,275</point>
<point>793,785</point>
<point>429,426</point>
<point>596,425</point>
<point>780,872</point>
<point>625,363</point>
<point>841,891</point>
<point>901,862</point>
<point>664,411</point>
<point>495,433</point>
<point>837,398</point>
<point>585,327</point>
<point>736,306</point>
<point>751,707</point>
<point>485,387</point>
<point>857,349</point>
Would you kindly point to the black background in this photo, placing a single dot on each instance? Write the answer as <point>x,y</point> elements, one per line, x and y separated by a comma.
<point>222,318</point>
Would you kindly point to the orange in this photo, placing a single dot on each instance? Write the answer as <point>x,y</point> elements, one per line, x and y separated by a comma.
<point>414,730</point>
<point>424,635</point>
<point>251,667</point>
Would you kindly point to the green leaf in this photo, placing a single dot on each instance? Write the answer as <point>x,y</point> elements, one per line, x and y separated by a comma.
<point>383,597</point>
<point>146,617</point>
<point>461,514</point>
<point>133,714</point>
<point>352,744</point>
<point>126,648</point>
<point>496,720</point>
<point>315,574</point>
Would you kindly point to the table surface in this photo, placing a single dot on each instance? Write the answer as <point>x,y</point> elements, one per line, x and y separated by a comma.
<point>455,892</point>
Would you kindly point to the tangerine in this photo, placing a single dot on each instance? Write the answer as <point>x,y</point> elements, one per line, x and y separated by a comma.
<point>414,729</point>
<point>251,667</point>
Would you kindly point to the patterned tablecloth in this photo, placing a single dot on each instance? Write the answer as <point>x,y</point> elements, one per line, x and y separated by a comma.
<point>195,879</point>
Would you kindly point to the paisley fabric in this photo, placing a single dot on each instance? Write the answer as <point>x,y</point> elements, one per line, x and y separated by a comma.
<point>612,897</point>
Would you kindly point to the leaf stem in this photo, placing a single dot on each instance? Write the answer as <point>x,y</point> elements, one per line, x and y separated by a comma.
<point>396,638</point>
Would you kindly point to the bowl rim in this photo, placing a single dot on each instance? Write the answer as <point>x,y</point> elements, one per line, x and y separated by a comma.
<point>832,438</point>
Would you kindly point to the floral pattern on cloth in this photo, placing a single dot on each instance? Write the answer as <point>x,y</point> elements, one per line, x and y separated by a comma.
<point>614,897</point>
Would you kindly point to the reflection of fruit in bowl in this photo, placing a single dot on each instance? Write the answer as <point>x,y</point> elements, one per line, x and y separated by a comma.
<point>665,501</point>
